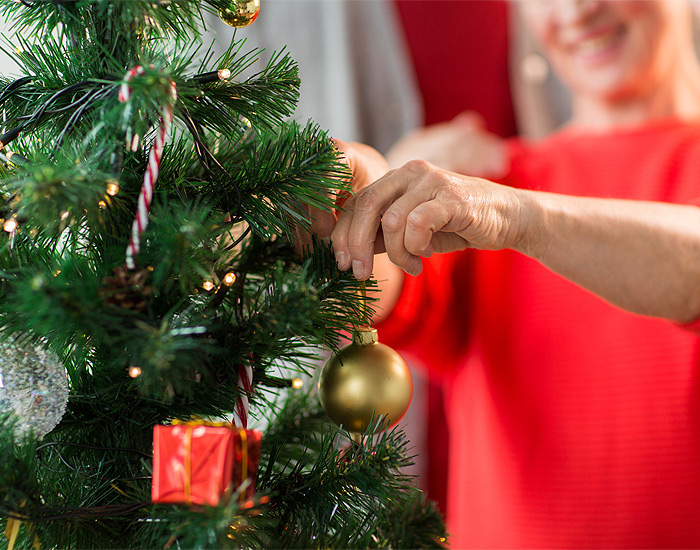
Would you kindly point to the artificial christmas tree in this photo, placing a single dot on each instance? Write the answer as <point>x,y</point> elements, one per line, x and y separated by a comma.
<point>149,200</point>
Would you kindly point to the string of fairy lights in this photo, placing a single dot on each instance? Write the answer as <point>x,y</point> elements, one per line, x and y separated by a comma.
<point>83,97</point>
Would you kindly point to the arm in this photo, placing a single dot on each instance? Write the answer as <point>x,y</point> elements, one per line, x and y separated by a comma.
<point>641,256</point>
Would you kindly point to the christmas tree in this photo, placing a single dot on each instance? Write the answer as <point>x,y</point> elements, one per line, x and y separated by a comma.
<point>149,289</point>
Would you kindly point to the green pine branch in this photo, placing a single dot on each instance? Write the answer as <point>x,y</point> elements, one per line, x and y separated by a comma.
<point>163,341</point>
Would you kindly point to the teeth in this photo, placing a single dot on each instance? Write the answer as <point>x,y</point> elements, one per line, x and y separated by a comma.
<point>592,46</point>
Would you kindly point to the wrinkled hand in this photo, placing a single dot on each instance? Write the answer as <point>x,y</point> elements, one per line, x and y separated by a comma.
<point>367,165</point>
<point>420,209</point>
<point>461,145</point>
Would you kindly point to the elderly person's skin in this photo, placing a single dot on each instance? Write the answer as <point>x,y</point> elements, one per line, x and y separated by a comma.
<point>626,62</point>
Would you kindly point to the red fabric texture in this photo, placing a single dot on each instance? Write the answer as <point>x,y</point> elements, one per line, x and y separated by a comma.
<point>572,422</point>
<point>459,51</point>
<point>694,326</point>
<point>200,464</point>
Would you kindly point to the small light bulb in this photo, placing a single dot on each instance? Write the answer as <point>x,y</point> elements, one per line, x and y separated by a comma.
<point>10,225</point>
<point>229,278</point>
<point>65,214</point>
<point>297,383</point>
<point>207,285</point>
<point>224,74</point>
<point>134,372</point>
<point>112,188</point>
<point>102,204</point>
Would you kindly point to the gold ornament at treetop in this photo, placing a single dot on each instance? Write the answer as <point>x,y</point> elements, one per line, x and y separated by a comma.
<point>240,13</point>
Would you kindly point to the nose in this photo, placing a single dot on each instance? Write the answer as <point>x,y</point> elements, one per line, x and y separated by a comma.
<point>575,11</point>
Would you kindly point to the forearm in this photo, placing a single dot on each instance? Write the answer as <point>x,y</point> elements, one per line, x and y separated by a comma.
<point>641,256</point>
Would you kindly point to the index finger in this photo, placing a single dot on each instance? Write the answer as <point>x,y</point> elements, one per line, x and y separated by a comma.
<point>358,225</point>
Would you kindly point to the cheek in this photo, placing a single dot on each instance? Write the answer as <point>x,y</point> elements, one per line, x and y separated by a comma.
<point>652,41</point>
<point>652,17</point>
<point>635,7</point>
<point>537,26</point>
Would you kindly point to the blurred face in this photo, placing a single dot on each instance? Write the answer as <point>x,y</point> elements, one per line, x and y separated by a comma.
<point>611,49</point>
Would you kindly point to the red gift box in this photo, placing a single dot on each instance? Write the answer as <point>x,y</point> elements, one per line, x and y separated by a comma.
<point>198,463</point>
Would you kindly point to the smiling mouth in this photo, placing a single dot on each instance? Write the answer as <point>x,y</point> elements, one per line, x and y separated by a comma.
<point>596,45</point>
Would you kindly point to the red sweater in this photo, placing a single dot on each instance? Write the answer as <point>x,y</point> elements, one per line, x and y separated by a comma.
<point>572,423</point>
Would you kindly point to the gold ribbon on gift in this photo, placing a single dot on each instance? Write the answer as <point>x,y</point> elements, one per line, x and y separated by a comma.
<point>189,424</point>
<point>188,464</point>
<point>12,530</point>
<point>196,422</point>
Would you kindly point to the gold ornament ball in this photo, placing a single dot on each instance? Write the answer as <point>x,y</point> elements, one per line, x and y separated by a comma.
<point>240,13</point>
<point>366,378</point>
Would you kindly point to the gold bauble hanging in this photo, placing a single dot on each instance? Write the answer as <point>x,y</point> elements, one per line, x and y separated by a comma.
<point>240,13</point>
<point>365,379</point>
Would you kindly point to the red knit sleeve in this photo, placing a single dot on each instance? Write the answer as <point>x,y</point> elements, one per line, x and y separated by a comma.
<point>429,321</point>
<point>693,326</point>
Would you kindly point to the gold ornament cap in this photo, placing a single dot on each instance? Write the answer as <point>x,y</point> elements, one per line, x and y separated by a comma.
<point>365,336</point>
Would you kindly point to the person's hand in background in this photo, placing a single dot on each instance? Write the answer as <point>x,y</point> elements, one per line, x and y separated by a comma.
<point>462,145</point>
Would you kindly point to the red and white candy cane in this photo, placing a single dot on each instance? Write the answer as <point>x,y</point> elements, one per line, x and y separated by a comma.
<point>151,175</point>
<point>245,384</point>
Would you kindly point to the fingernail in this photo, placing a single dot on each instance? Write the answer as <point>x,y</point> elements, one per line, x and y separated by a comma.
<point>358,269</point>
<point>341,259</point>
